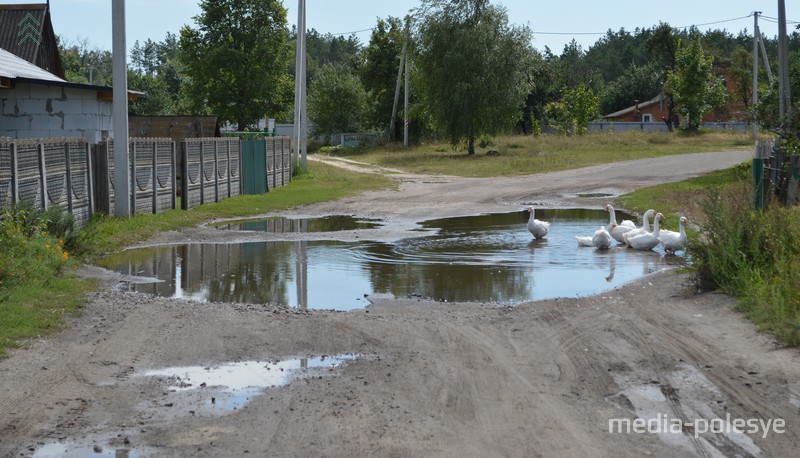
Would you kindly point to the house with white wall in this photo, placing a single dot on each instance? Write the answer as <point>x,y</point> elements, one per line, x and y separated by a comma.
<point>35,103</point>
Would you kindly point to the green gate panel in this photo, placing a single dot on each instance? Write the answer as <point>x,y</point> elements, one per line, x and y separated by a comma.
<point>254,167</point>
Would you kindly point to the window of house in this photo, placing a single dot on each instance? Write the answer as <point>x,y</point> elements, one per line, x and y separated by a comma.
<point>647,117</point>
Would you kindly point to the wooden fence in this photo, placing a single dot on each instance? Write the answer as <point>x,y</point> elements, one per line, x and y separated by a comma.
<point>47,172</point>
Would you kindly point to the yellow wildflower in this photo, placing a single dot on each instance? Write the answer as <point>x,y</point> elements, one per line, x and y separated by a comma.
<point>64,255</point>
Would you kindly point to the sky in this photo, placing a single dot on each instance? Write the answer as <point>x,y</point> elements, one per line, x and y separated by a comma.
<point>554,23</point>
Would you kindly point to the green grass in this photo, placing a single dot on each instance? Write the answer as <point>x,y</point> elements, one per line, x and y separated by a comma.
<point>521,155</point>
<point>30,311</point>
<point>685,198</point>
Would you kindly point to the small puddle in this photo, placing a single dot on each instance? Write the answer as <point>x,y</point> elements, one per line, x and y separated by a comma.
<point>486,258</point>
<point>74,450</point>
<point>282,225</point>
<point>230,386</point>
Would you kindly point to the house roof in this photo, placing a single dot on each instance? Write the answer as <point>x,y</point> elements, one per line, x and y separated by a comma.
<point>631,109</point>
<point>13,67</point>
<point>27,31</point>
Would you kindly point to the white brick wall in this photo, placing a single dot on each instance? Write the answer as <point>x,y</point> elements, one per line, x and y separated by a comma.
<point>37,111</point>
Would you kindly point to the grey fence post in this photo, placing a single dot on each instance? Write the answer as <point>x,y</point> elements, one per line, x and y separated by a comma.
<point>42,174</point>
<point>228,160</point>
<point>14,175</point>
<point>202,172</point>
<point>90,178</point>
<point>172,171</point>
<point>184,175</point>
<point>68,166</point>
<point>216,171</point>
<point>155,177</point>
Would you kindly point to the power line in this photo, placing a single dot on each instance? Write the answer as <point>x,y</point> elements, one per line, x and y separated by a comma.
<point>768,18</point>
<point>682,27</point>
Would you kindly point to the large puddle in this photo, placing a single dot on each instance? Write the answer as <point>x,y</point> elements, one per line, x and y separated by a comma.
<point>487,258</point>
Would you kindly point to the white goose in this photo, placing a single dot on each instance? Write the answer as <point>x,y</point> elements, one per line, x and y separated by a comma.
<point>621,228</point>
<point>674,241</point>
<point>648,240</point>
<point>640,230</point>
<point>602,239</point>
<point>537,228</point>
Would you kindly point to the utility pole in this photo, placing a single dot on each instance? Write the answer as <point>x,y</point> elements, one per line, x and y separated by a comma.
<point>408,88</point>
<point>403,64</point>
<point>119,112</point>
<point>756,38</point>
<point>784,95</point>
<point>300,125</point>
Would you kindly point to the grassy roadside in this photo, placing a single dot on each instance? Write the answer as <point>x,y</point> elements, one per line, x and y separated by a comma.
<point>37,293</point>
<point>753,256</point>
<point>546,153</point>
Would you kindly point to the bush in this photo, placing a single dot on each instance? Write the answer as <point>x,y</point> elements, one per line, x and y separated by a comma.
<point>754,256</point>
<point>32,252</point>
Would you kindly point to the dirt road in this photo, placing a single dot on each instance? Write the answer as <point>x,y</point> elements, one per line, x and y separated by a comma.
<point>420,378</point>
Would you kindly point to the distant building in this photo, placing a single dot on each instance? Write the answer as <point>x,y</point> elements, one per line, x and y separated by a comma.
<point>653,110</point>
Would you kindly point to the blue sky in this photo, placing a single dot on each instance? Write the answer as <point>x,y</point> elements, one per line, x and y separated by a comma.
<point>554,22</point>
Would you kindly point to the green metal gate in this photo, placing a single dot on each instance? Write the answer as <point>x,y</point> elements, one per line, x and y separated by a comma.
<point>254,167</point>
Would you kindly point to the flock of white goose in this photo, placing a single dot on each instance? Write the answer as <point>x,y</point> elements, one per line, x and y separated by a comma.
<point>624,233</point>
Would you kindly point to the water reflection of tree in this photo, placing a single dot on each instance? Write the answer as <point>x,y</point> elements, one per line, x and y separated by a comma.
<point>441,280</point>
<point>256,273</point>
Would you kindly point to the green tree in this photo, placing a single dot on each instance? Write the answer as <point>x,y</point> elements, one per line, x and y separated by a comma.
<point>661,44</point>
<point>379,71</point>
<point>472,68</point>
<point>694,88</point>
<point>336,100</point>
<point>85,64</point>
<point>236,60</point>
<point>155,69</point>
<point>572,114</point>
<point>636,83</point>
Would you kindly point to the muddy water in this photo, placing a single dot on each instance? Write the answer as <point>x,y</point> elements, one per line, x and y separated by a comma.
<point>487,258</point>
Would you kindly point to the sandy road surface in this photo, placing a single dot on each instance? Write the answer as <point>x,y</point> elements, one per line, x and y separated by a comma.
<point>430,379</point>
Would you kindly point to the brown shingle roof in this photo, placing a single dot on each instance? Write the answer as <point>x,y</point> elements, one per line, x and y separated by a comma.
<point>27,32</point>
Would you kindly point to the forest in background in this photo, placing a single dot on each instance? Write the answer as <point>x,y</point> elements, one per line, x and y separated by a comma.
<point>620,69</point>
